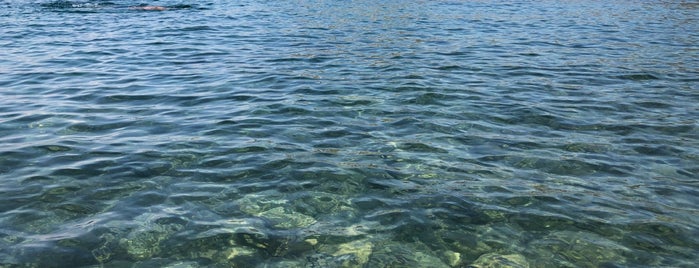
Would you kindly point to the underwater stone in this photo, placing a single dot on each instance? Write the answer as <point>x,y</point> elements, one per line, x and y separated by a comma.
<point>580,248</point>
<point>427,260</point>
<point>453,258</point>
<point>286,218</point>
<point>254,204</point>
<point>281,264</point>
<point>144,243</point>
<point>322,260</point>
<point>182,264</point>
<point>317,203</point>
<point>395,254</point>
<point>494,260</point>
<point>338,231</point>
<point>361,249</point>
<point>351,254</point>
<point>236,252</point>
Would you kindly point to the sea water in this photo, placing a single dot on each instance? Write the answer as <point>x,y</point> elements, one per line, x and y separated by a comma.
<point>397,133</point>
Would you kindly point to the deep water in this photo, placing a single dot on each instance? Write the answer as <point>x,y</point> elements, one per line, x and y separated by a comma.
<point>358,133</point>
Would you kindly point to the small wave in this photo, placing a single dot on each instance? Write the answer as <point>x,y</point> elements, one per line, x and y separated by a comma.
<point>74,4</point>
<point>636,77</point>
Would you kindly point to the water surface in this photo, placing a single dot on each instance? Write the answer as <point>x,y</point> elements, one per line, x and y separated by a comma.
<point>358,133</point>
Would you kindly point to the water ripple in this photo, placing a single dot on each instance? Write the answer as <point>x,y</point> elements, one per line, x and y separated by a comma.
<point>352,134</point>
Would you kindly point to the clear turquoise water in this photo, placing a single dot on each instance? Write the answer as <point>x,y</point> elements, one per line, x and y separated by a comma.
<point>349,134</point>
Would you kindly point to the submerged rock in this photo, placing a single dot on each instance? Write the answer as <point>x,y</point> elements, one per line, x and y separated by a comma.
<point>453,258</point>
<point>403,255</point>
<point>578,249</point>
<point>325,260</point>
<point>285,218</point>
<point>144,243</point>
<point>494,260</point>
<point>351,254</point>
<point>326,204</point>
<point>274,208</point>
<point>361,249</point>
<point>256,203</point>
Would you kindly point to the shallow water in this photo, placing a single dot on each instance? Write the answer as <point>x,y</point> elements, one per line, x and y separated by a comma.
<point>349,134</point>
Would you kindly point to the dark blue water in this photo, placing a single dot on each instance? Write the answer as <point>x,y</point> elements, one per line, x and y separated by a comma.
<point>298,133</point>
